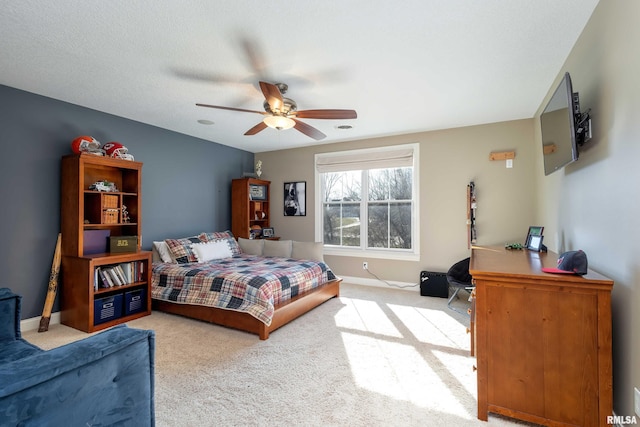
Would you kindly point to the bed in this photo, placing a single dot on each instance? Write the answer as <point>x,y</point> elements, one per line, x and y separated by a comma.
<point>254,286</point>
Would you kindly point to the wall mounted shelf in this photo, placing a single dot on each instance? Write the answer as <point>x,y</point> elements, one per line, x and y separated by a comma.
<point>502,155</point>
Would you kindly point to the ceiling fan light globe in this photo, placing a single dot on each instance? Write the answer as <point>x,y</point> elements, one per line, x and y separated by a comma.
<point>279,122</point>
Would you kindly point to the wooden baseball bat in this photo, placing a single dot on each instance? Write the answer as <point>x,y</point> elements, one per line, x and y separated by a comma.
<point>52,288</point>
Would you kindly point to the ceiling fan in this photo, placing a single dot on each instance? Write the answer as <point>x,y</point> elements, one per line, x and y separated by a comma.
<point>282,113</point>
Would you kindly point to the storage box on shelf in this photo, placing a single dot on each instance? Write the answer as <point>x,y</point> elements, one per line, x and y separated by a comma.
<point>134,301</point>
<point>86,303</point>
<point>123,243</point>
<point>107,308</point>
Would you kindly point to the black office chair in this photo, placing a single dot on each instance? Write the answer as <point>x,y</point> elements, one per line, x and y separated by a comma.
<point>459,278</point>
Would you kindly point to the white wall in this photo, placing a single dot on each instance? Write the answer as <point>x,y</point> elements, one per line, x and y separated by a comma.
<point>593,204</point>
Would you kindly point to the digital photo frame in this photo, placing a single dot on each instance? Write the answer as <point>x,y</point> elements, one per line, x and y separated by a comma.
<point>534,230</point>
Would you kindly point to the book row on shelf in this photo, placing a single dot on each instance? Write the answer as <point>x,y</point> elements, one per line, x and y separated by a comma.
<point>125,273</point>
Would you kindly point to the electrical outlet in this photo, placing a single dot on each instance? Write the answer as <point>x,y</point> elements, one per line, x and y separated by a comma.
<point>365,265</point>
<point>636,400</point>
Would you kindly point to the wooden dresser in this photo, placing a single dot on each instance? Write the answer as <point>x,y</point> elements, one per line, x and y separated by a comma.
<point>542,341</point>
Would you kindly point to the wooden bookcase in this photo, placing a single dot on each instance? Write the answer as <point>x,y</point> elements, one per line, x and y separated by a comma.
<point>84,210</point>
<point>249,205</point>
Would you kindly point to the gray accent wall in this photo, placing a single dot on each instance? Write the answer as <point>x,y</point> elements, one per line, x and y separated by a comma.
<point>185,183</point>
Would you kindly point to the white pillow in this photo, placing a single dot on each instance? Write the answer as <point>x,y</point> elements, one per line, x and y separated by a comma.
<point>207,251</point>
<point>163,251</point>
<point>251,246</point>
<point>279,248</point>
<point>307,250</point>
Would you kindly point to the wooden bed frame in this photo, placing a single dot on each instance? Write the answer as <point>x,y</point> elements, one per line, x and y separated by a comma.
<point>284,313</point>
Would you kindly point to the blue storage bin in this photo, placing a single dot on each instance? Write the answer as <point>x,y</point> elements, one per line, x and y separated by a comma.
<point>135,301</point>
<point>107,308</point>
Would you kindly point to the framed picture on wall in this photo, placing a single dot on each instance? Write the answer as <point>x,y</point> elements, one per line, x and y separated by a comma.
<point>295,198</point>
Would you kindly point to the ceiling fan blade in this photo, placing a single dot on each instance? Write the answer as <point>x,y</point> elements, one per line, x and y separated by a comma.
<point>205,76</point>
<point>254,56</point>
<point>232,109</point>
<point>310,131</point>
<point>327,114</point>
<point>272,95</point>
<point>257,128</point>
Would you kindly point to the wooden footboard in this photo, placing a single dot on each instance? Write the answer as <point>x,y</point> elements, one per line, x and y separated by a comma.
<point>284,313</point>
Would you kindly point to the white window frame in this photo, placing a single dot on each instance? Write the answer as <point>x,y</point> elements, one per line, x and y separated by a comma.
<point>412,254</point>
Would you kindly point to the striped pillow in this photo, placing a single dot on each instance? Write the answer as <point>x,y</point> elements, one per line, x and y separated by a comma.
<point>181,250</point>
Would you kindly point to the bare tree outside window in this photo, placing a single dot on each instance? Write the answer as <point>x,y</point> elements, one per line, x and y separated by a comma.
<point>388,205</point>
<point>389,208</point>
<point>342,195</point>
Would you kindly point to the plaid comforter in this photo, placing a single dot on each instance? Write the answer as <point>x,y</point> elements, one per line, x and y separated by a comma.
<point>244,283</point>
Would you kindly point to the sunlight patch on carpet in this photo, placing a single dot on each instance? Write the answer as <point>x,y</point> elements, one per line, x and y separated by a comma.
<point>461,371</point>
<point>366,316</point>
<point>399,371</point>
<point>432,326</point>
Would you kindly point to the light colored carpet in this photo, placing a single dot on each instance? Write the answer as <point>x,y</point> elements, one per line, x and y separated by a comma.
<point>373,357</point>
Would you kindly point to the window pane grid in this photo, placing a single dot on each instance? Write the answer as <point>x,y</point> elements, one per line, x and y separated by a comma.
<point>342,224</point>
<point>377,202</point>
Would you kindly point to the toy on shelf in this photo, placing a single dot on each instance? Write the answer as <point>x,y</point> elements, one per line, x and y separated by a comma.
<point>104,186</point>
<point>117,151</point>
<point>86,144</point>
<point>517,246</point>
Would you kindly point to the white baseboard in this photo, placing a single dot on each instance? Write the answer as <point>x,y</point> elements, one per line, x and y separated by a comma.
<point>390,284</point>
<point>33,323</point>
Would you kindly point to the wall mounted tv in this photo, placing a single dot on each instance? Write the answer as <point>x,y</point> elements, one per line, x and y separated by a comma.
<point>564,127</point>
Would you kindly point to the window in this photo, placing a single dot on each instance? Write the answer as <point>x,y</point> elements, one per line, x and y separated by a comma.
<point>367,202</point>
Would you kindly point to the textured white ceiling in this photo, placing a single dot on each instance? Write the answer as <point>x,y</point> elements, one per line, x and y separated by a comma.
<point>408,66</point>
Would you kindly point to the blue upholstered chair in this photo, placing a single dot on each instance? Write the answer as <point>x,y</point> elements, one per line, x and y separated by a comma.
<point>105,379</point>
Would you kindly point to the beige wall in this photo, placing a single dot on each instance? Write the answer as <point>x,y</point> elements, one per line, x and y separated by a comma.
<point>593,204</point>
<point>449,159</point>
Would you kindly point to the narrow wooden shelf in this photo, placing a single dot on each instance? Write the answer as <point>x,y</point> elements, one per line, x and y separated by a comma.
<point>502,155</point>
<point>247,210</point>
<point>101,291</point>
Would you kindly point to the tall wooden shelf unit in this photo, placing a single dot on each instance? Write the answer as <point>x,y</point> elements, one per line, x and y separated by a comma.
<point>84,210</point>
<point>249,205</point>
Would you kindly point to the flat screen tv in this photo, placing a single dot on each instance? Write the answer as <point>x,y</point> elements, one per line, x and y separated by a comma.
<point>558,123</point>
